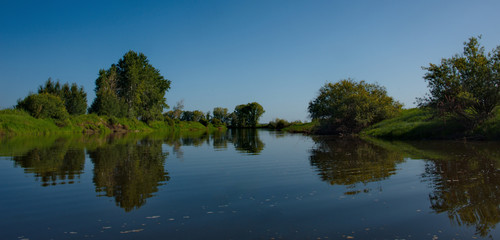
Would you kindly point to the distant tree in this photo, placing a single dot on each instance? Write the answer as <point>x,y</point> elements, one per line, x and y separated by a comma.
<point>198,115</point>
<point>221,115</point>
<point>247,115</point>
<point>349,106</point>
<point>177,110</point>
<point>278,124</point>
<point>187,116</point>
<point>43,105</point>
<point>467,86</point>
<point>137,85</point>
<point>74,98</point>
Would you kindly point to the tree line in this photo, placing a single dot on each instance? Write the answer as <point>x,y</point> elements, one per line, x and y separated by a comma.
<point>464,88</point>
<point>131,88</point>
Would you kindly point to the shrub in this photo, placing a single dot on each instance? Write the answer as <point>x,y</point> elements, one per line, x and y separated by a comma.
<point>348,106</point>
<point>44,105</point>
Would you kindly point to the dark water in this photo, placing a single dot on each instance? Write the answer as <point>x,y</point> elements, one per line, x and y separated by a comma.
<point>247,185</point>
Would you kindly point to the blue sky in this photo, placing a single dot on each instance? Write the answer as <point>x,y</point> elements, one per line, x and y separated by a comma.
<point>225,53</point>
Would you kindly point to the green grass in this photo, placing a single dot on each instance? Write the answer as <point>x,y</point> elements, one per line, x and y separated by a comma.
<point>16,122</point>
<point>419,123</point>
<point>302,127</point>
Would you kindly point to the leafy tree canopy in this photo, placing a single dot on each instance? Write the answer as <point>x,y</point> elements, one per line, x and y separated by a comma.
<point>44,105</point>
<point>74,97</point>
<point>133,88</point>
<point>247,115</point>
<point>465,86</point>
<point>349,106</point>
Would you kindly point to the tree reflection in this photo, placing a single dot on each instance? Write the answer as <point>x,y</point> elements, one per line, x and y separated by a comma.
<point>247,141</point>
<point>466,186</point>
<point>349,161</point>
<point>54,164</point>
<point>130,172</point>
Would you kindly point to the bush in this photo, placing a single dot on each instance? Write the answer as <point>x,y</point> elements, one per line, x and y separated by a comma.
<point>44,105</point>
<point>278,124</point>
<point>348,106</point>
<point>169,121</point>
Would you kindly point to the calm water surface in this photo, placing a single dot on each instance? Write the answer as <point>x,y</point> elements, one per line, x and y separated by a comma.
<point>247,185</point>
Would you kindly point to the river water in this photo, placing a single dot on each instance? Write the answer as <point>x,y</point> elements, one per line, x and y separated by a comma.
<point>247,184</point>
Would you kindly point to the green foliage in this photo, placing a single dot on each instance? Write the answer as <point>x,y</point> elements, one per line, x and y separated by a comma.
<point>133,88</point>
<point>302,127</point>
<point>169,121</point>
<point>467,86</point>
<point>44,105</point>
<point>107,102</point>
<point>247,115</point>
<point>278,124</point>
<point>74,98</point>
<point>348,106</point>
<point>220,116</point>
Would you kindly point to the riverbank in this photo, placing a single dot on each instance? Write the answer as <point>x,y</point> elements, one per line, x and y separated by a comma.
<point>420,124</point>
<point>417,124</point>
<point>15,122</point>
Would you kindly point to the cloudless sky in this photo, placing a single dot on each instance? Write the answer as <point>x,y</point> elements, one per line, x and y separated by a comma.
<point>225,53</point>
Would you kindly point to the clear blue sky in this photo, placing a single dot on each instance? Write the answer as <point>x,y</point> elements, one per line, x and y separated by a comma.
<point>225,53</point>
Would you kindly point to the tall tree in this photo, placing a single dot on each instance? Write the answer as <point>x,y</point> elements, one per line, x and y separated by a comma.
<point>107,101</point>
<point>221,114</point>
<point>247,115</point>
<point>138,85</point>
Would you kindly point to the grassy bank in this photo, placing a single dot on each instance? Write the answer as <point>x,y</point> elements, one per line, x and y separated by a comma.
<point>307,128</point>
<point>15,122</point>
<point>419,123</point>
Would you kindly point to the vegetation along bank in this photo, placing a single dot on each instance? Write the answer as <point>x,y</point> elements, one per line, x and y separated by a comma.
<point>462,103</point>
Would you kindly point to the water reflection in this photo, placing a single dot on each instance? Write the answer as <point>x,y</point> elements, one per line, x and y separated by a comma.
<point>130,172</point>
<point>247,141</point>
<point>56,164</point>
<point>466,183</point>
<point>351,161</point>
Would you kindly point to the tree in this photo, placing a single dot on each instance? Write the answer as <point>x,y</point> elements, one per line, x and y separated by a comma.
<point>74,98</point>
<point>221,115</point>
<point>247,115</point>
<point>349,106</point>
<point>107,101</point>
<point>177,111</point>
<point>136,84</point>
<point>467,86</point>
<point>43,105</point>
